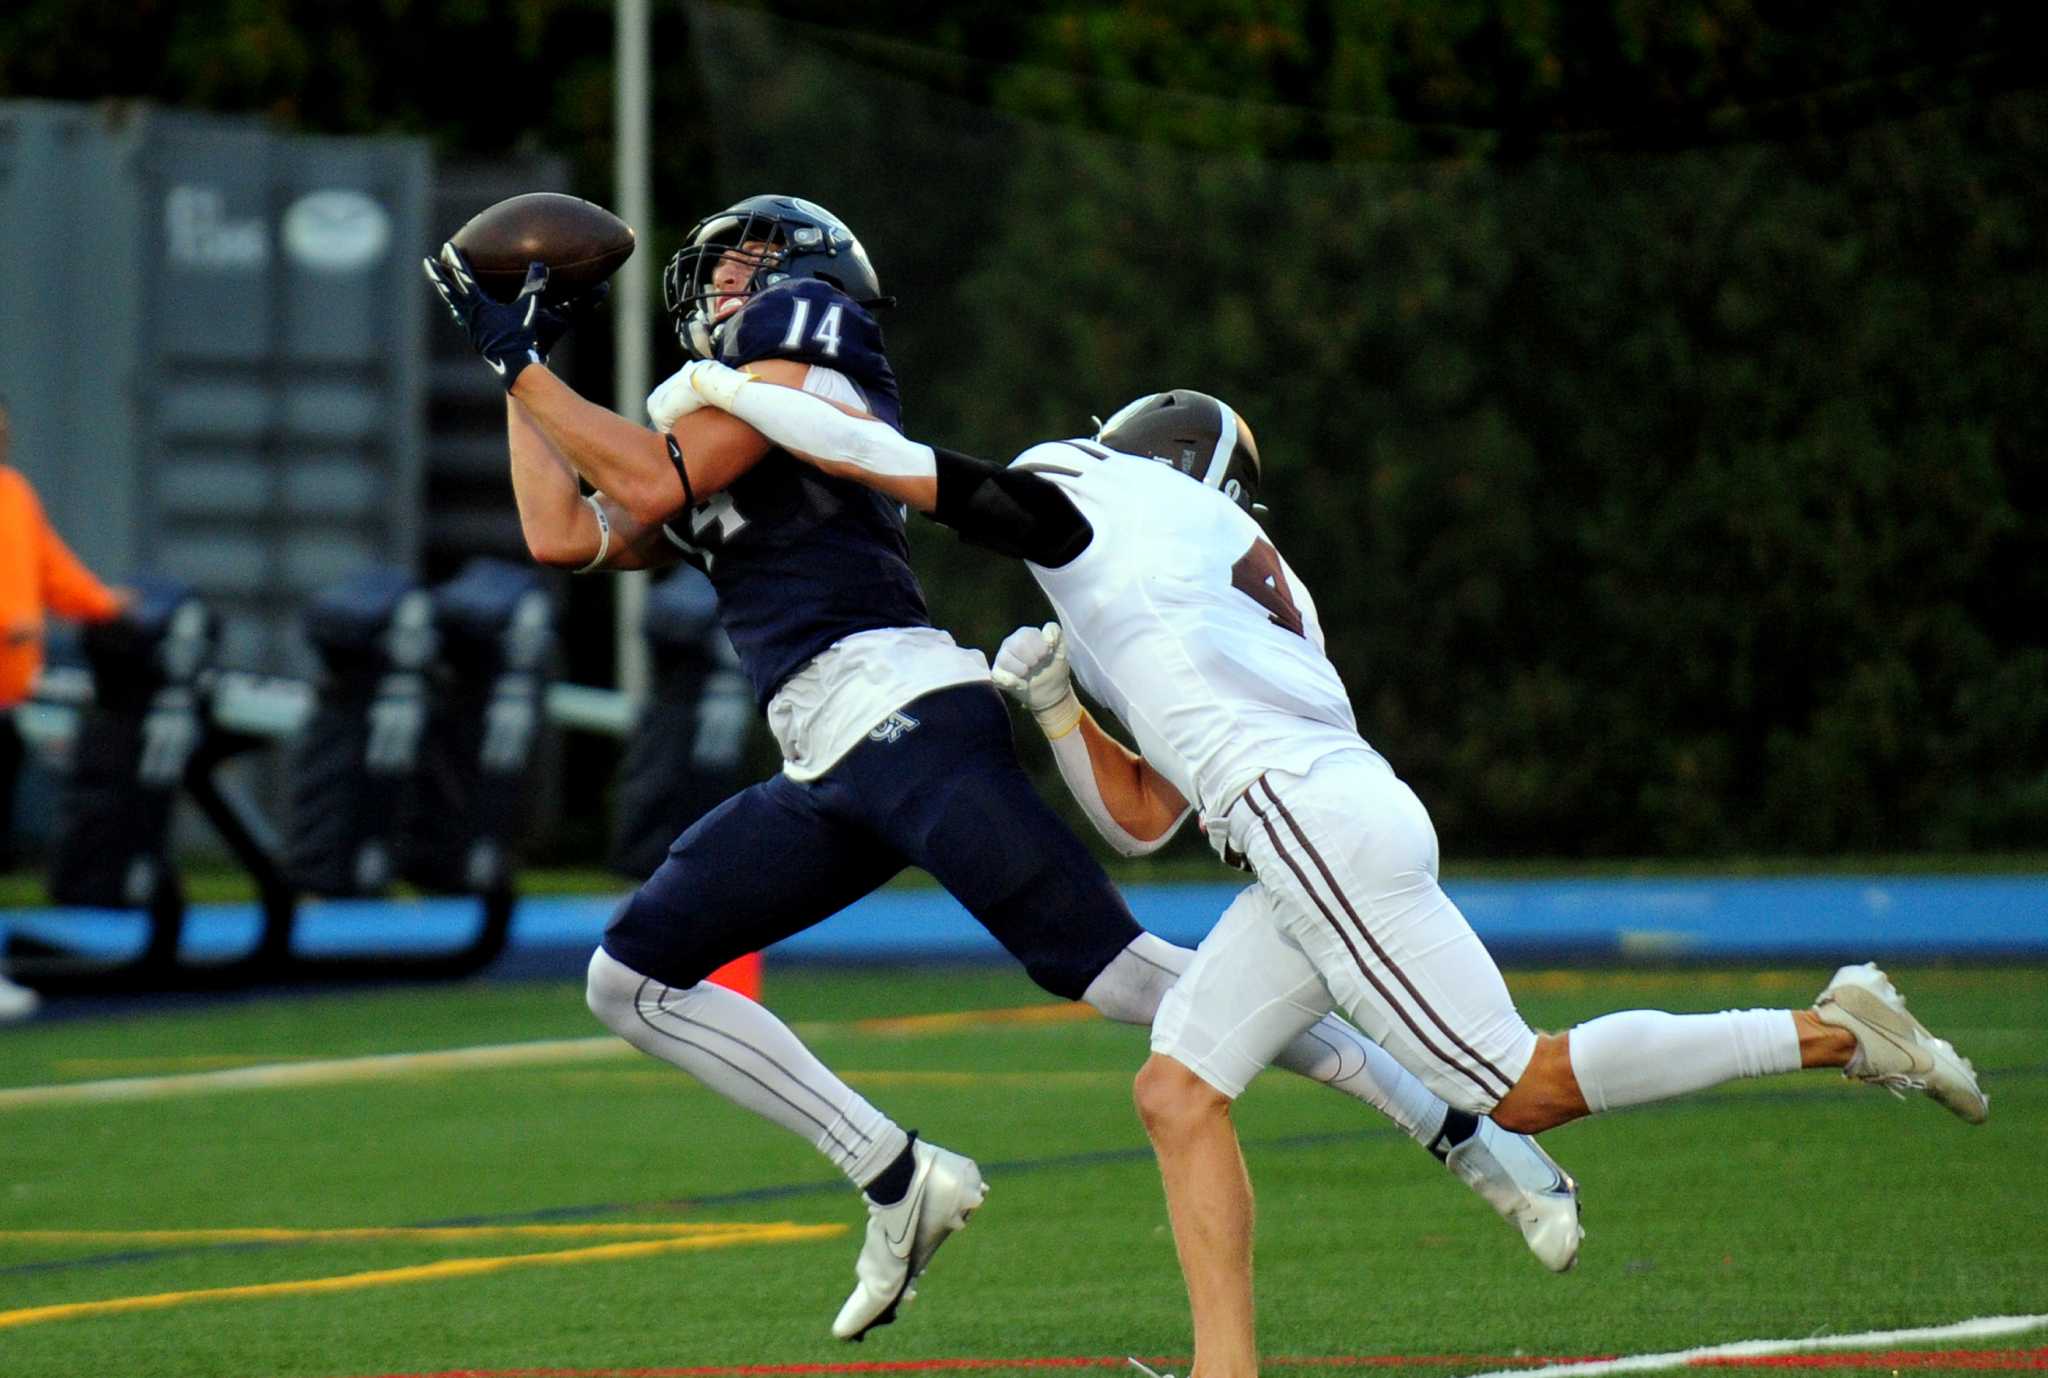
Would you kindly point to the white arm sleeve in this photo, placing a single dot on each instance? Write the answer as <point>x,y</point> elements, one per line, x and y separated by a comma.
<point>798,421</point>
<point>1070,753</point>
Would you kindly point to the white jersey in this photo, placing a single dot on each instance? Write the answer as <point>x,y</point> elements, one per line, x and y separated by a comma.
<point>1182,619</point>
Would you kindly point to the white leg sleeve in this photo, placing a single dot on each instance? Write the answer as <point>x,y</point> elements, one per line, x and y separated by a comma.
<point>744,1053</point>
<point>1330,1051</point>
<point>1130,988</point>
<point>1340,1057</point>
<point>1638,1056</point>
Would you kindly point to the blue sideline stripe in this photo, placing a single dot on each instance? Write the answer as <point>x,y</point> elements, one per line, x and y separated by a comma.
<point>1893,916</point>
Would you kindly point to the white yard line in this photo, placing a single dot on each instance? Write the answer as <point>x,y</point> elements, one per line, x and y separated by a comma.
<point>271,1076</point>
<point>1982,1328</point>
<point>274,1075</point>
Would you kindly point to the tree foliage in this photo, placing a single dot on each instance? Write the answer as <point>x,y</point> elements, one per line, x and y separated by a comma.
<point>1661,453</point>
<point>1650,392</point>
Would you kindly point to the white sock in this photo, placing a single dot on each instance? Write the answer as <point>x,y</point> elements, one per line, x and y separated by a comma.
<point>1130,988</point>
<point>740,1050</point>
<point>1638,1056</point>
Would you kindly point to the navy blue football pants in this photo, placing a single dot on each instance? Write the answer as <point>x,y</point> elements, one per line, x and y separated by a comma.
<point>946,795</point>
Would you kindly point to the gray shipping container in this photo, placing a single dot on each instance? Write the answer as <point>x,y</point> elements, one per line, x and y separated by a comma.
<point>213,351</point>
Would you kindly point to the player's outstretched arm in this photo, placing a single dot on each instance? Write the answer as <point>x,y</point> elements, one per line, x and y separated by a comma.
<point>611,453</point>
<point>562,527</point>
<point>648,477</point>
<point>1009,512</point>
<point>637,467</point>
<point>1135,808</point>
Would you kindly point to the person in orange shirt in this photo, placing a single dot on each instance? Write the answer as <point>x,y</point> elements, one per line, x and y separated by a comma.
<point>38,575</point>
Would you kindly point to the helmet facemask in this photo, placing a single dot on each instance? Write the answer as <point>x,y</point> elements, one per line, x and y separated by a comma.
<point>727,260</point>
<point>776,237</point>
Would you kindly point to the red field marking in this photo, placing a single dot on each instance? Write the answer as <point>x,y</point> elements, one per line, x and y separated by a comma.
<point>1972,1359</point>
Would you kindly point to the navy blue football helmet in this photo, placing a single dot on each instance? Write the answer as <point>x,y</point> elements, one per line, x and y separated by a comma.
<point>1195,433</point>
<point>803,239</point>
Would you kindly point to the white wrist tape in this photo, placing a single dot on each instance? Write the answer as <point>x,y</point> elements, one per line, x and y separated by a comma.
<point>716,383</point>
<point>604,533</point>
<point>796,420</point>
<point>1057,720</point>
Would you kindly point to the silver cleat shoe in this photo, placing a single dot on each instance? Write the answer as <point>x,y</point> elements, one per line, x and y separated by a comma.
<point>1893,1049</point>
<point>16,1002</point>
<point>1527,1187</point>
<point>944,1190</point>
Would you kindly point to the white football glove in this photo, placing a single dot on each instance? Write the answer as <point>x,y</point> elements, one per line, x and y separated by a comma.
<point>715,383</point>
<point>673,399</point>
<point>695,384</point>
<point>1031,667</point>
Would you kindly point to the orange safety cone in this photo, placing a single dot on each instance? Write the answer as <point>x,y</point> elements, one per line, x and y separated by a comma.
<point>742,974</point>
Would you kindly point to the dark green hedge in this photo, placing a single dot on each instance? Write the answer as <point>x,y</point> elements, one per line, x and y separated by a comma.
<point>1651,394</point>
<point>1660,496</point>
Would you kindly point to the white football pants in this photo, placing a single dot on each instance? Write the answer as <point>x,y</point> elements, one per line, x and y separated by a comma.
<point>1346,912</point>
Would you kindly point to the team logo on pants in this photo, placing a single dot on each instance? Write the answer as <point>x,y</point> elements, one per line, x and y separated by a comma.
<point>893,727</point>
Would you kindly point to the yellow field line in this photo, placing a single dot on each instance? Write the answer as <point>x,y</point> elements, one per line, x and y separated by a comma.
<point>976,1019</point>
<point>965,1079</point>
<point>1571,981</point>
<point>426,1234</point>
<point>158,1066</point>
<point>781,1233</point>
<point>282,1073</point>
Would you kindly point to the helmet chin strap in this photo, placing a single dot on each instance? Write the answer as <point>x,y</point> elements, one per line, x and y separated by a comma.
<point>703,341</point>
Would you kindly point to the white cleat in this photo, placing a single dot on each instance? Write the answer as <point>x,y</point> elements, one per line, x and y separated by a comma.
<point>944,1190</point>
<point>16,1002</point>
<point>1135,1362</point>
<point>1527,1187</point>
<point>1893,1049</point>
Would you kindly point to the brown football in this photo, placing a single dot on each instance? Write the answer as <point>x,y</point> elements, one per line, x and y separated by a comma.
<point>581,242</point>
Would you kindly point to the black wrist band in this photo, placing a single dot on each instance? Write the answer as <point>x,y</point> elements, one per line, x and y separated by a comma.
<point>675,457</point>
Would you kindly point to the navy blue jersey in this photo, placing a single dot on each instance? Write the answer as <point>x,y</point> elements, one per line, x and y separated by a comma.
<point>801,559</point>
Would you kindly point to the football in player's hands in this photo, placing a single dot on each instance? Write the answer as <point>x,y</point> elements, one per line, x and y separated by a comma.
<point>503,333</point>
<point>1031,667</point>
<point>581,242</point>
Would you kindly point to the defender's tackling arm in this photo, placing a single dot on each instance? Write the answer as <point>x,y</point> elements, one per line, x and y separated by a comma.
<point>1004,510</point>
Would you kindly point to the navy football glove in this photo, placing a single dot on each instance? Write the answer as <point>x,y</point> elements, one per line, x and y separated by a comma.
<point>503,332</point>
<point>551,323</point>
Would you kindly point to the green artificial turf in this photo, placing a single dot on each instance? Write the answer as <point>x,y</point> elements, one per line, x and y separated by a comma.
<point>1789,1207</point>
